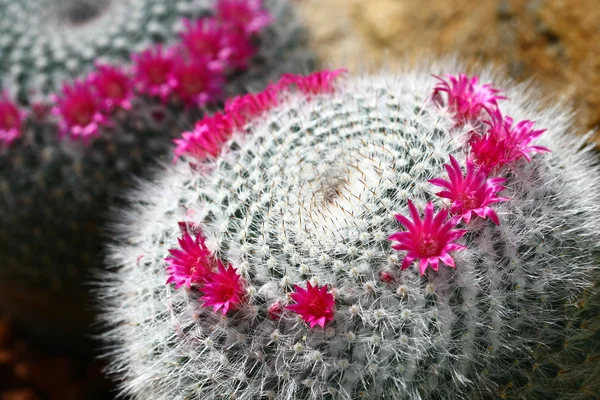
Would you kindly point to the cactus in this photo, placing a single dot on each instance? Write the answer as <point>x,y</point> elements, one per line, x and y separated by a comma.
<point>300,201</point>
<point>44,42</point>
<point>56,189</point>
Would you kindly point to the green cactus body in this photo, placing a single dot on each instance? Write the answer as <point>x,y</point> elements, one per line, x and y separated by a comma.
<point>309,192</point>
<point>55,193</point>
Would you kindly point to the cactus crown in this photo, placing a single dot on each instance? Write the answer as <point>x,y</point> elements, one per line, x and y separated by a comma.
<point>303,198</point>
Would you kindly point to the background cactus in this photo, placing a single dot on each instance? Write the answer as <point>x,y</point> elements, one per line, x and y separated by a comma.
<point>44,42</point>
<point>308,192</point>
<point>54,193</point>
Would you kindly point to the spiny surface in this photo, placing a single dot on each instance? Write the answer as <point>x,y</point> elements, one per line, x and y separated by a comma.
<point>44,42</point>
<point>309,192</point>
<point>54,194</point>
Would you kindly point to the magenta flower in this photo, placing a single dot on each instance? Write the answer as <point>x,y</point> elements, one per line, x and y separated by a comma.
<point>11,119</point>
<point>315,305</point>
<point>503,143</point>
<point>242,109</point>
<point>207,138</point>
<point>223,290</point>
<point>465,97</point>
<point>216,44</point>
<point>185,226</point>
<point>315,83</point>
<point>79,111</point>
<point>194,83</point>
<point>113,86</point>
<point>429,240</point>
<point>152,69</point>
<point>247,15</point>
<point>472,193</point>
<point>203,39</point>
<point>490,152</point>
<point>521,136</point>
<point>275,311</point>
<point>238,49</point>
<point>191,263</point>
<point>386,277</point>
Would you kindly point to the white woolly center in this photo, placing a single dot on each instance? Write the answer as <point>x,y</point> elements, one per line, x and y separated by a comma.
<point>332,194</point>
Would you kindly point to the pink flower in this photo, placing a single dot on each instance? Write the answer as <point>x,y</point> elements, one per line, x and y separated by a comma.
<point>238,49</point>
<point>315,83</point>
<point>206,139</point>
<point>466,98</point>
<point>194,83</point>
<point>472,193</point>
<point>203,39</point>
<point>386,277</point>
<point>242,109</point>
<point>490,152</point>
<point>275,310</point>
<point>315,305</point>
<point>186,227</point>
<point>247,15</point>
<point>11,119</point>
<point>503,144</point>
<point>521,136</point>
<point>216,44</point>
<point>191,263</point>
<point>223,290</point>
<point>113,86</point>
<point>79,111</point>
<point>152,69</point>
<point>429,240</point>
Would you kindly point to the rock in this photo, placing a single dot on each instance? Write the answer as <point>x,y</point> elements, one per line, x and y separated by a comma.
<point>335,40</point>
<point>557,42</point>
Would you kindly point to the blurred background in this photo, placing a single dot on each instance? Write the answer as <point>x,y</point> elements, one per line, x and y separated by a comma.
<point>554,42</point>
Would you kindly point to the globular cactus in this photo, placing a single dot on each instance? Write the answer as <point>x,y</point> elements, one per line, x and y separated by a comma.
<point>264,269</point>
<point>62,172</point>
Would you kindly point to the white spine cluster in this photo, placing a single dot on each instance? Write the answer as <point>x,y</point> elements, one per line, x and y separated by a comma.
<point>309,192</point>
